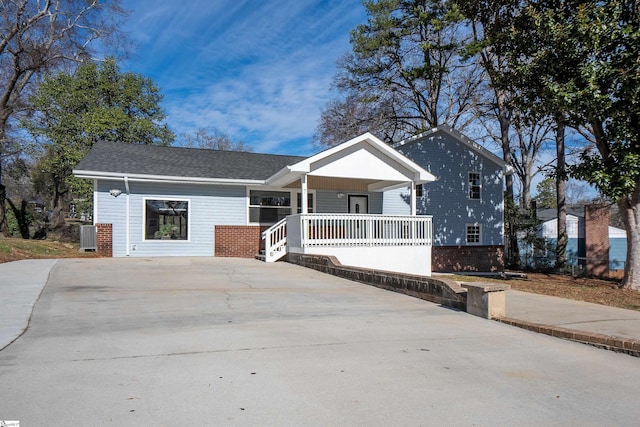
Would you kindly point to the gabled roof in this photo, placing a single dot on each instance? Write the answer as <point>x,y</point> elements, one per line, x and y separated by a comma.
<point>465,140</point>
<point>547,214</point>
<point>363,157</point>
<point>116,160</point>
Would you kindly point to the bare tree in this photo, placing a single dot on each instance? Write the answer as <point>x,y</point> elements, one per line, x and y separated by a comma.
<point>343,119</point>
<point>35,38</point>
<point>213,139</point>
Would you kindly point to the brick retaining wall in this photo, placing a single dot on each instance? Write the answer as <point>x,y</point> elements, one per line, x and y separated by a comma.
<point>441,291</point>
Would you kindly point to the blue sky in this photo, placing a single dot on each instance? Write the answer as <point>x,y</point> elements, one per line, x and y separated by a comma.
<point>260,71</point>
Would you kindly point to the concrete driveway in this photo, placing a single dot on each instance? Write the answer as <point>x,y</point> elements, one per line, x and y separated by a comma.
<point>204,342</point>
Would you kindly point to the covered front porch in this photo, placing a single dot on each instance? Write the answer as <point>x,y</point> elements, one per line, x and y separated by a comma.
<point>340,209</point>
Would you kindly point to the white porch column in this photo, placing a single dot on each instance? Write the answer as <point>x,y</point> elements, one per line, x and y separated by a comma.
<point>413,198</point>
<point>303,194</point>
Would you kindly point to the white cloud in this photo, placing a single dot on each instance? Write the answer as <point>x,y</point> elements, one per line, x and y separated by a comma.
<point>261,71</point>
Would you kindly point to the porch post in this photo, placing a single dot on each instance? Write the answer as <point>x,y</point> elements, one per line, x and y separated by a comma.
<point>303,194</point>
<point>413,198</point>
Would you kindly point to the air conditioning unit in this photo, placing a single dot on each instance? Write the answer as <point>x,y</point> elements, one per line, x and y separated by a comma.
<point>88,238</point>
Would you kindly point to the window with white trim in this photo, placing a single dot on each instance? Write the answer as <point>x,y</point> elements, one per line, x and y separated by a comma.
<point>475,185</point>
<point>268,207</point>
<point>473,234</point>
<point>166,219</point>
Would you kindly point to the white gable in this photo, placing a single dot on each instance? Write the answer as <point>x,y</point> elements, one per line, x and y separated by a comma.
<point>361,161</point>
<point>617,233</point>
<point>575,230</point>
<point>364,157</point>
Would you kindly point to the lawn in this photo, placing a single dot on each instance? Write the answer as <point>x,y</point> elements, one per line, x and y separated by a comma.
<point>13,249</point>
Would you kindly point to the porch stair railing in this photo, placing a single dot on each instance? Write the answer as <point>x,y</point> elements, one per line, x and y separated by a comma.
<point>275,241</point>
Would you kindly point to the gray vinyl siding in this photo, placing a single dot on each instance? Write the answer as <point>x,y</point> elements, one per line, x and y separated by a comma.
<point>447,198</point>
<point>396,202</point>
<point>209,205</point>
<point>328,202</point>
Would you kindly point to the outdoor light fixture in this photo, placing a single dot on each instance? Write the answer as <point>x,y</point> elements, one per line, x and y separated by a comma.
<point>115,192</point>
<point>340,195</point>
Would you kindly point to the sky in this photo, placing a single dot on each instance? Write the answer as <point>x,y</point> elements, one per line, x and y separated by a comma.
<point>260,71</point>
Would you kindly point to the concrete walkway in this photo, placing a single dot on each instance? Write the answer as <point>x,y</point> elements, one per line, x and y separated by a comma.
<point>579,315</point>
<point>21,283</point>
<point>608,327</point>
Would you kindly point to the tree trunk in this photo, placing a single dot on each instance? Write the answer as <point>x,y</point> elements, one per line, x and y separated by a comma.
<point>630,213</point>
<point>21,216</point>
<point>57,213</point>
<point>561,190</point>
<point>526,190</point>
<point>512,251</point>
<point>4,226</point>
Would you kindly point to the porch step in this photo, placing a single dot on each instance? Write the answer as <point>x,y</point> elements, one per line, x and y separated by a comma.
<point>261,256</point>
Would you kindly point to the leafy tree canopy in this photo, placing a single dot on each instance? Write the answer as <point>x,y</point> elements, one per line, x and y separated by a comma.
<point>546,197</point>
<point>74,111</point>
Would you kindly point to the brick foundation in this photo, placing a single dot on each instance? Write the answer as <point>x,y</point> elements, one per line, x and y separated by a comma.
<point>449,259</point>
<point>238,241</point>
<point>105,240</point>
<point>596,236</point>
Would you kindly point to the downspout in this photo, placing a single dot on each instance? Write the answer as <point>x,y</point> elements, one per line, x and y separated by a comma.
<point>95,201</point>
<point>126,187</point>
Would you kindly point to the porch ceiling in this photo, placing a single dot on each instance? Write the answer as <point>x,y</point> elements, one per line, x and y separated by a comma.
<point>330,183</point>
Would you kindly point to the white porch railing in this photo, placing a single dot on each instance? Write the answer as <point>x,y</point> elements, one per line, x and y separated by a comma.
<point>345,230</point>
<point>363,230</point>
<point>275,241</point>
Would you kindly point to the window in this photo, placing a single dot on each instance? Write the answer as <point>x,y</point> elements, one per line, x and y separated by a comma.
<point>309,202</point>
<point>473,234</point>
<point>474,185</point>
<point>268,207</point>
<point>419,190</point>
<point>166,219</point>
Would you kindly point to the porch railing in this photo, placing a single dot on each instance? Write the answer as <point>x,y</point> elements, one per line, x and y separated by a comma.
<point>363,230</point>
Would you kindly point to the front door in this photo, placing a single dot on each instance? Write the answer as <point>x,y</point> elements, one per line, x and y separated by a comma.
<point>359,204</point>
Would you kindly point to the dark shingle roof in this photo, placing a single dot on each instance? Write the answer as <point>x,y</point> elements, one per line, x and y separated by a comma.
<point>545,214</point>
<point>120,158</point>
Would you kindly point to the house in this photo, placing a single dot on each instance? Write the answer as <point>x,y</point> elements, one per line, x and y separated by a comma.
<point>591,242</point>
<point>541,254</point>
<point>172,201</point>
<point>466,200</point>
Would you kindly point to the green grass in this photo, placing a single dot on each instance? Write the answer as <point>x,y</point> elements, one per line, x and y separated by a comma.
<point>12,249</point>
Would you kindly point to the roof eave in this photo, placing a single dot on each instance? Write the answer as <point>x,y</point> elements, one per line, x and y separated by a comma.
<point>507,169</point>
<point>88,174</point>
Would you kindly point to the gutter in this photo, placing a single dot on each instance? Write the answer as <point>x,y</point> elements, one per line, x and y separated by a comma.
<point>161,178</point>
